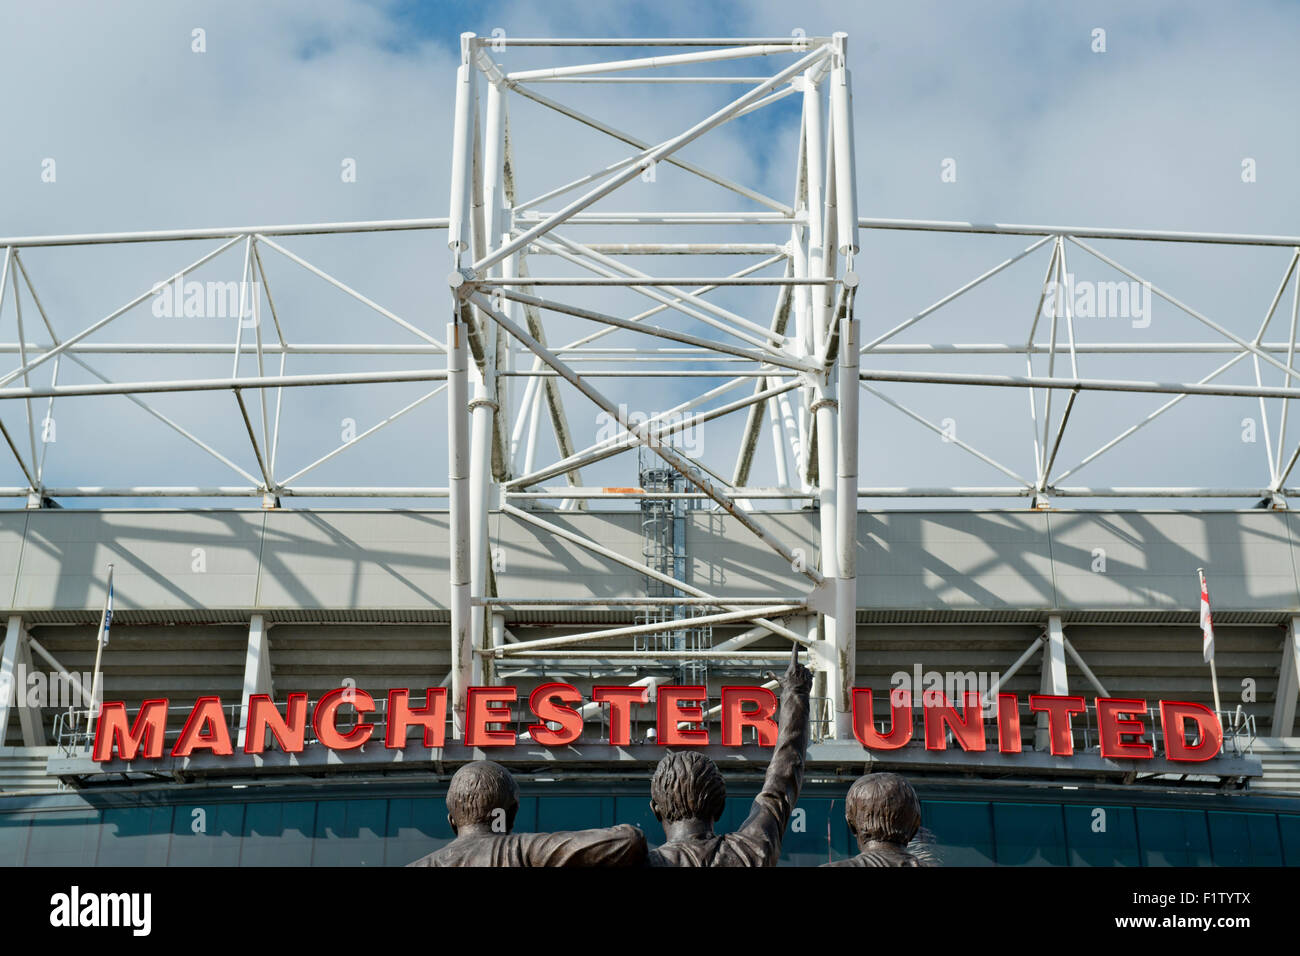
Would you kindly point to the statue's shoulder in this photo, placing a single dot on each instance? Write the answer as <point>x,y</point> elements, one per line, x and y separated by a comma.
<point>429,860</point>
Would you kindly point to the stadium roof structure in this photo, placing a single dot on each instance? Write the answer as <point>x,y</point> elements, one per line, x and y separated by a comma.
<point>775,346</point>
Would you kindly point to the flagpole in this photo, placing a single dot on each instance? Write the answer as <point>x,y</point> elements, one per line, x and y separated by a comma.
<point>1214,676</point>
<point>99,654</point>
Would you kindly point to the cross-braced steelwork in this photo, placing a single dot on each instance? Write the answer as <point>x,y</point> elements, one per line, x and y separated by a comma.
<point>503,312</point>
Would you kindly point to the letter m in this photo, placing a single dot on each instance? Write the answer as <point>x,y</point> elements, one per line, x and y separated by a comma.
<point>963,681</point>
<point>115,907</point>
<point>111,733</point>
<point>223,300</point>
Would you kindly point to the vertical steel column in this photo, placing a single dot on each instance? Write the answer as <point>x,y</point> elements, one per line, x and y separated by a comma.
<point>846,594</point>
<point>458,515</point>
<point>841,189</point>
<point>497,637</point>
<point>480,484</point>
<point>458,239</point>
<point>797,423</point>
<point>846,180</point>
<point>828,530</point>
<point>483,408</point>
<point>461,154</point>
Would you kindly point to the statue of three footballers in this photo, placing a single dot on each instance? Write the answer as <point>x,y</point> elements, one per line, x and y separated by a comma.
<point>687,795</point>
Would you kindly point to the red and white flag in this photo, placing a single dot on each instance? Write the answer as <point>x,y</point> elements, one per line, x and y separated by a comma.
<point>1207,623</point>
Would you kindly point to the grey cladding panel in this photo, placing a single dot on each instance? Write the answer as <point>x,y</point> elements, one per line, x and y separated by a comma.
<point>349,559</point>
<point>943,560</point>
<point>161,559</point>
<point>390,563</point>
<point>535,563</point>
<point>1151,560</point>
<point>727,557</point>
<point>12,527</point>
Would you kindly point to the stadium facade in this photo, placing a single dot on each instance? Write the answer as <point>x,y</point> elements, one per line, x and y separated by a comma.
<point>307,602</point>
<point>261,647</point>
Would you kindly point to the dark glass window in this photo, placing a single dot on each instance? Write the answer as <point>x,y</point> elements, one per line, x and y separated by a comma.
<point>1173,837</point>
<point>1029,834</point>
<point>278,834</point>
<point>573,813</point>
<point>526,818</point>
<point>14,828</point>
<point>636,810</point>
<point>135,836</point>
<point>349,832</point>
<point>206,835</point>
<point>415,828</point>
<point>1245,839</point>
<point>1289,824</point>
<point>1101,836</point>
<point>963,831</point>
<point>63,838</point>
<point>140,830</point>
<point>823,830</point>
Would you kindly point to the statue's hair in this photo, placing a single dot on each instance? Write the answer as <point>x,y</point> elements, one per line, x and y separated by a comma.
<point>688,786</point>
<point>883,806</point>
<point>479,788</point>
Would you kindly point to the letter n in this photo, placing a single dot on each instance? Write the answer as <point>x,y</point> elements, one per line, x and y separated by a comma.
<point>967,729</point>
<point>290,734</point>
<point>205,729</point>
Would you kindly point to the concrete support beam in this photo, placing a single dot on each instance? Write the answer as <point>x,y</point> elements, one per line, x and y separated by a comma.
<point>29,718</point>
<point>83,692</point>
<point>8,675</point>
<point>1054,678</point>
<point>1288,683</point>
<point>257,670</point>
<point>15,662</point>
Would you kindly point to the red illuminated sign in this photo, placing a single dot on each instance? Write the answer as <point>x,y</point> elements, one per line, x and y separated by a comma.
<point>1122,724</point>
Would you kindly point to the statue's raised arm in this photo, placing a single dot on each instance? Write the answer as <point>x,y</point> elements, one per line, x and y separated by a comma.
<point>688,793</point>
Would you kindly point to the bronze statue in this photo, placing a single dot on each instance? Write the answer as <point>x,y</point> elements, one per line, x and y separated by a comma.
<point>884,815</point>
<point>688,793</point>
<point>482,801</point>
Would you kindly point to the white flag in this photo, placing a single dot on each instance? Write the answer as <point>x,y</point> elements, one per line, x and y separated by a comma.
<point>1207,623</point>
<point>108,611</point>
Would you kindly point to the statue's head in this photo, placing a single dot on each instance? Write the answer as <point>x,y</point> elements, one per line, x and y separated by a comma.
<point>883,807</point>
<point>687,786</point>
<point>482,794</point>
